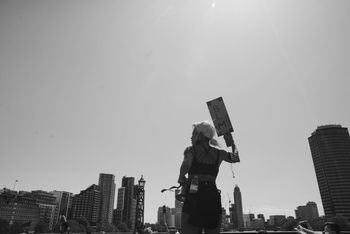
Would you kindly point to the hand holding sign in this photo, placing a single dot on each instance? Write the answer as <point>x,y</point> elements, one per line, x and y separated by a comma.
<point>223,126</point>
<point>221,120</point>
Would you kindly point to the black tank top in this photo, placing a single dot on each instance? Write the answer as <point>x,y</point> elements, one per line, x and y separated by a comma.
<point>204,168</point>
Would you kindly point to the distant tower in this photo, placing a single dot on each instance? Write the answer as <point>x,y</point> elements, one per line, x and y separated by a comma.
<point>238,207</point>
<point>140,204</point>
<point>308,212</point>
<point>107,188</point>
<point>330,149</point>
<point>262,217</point>
<point>312,211</point>
<point>164,216</point>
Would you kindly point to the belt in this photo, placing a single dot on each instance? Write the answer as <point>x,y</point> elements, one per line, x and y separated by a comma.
<point>207,183</point>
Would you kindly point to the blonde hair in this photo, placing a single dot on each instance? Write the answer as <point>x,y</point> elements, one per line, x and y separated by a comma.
<point>207,130</point>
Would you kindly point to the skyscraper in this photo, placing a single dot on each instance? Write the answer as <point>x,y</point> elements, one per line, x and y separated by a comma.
<point>330,149</point>
<point>128,184</point>
<point>238,208</point>
<point>120,207</point>
<point>87,204</point>
<point>107,188</point>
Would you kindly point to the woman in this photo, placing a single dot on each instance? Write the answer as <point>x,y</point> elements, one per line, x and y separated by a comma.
<point>202,207</point>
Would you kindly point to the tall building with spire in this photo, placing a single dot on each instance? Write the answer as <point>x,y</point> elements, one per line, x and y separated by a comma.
<point>330,150</point>
<point>106,185</point>
<point>238,208</point>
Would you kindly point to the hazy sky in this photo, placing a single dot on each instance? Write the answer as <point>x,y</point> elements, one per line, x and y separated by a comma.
<point>114,87</point>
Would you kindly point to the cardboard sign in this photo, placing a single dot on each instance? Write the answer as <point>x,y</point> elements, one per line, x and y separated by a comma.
<point>220,116</point>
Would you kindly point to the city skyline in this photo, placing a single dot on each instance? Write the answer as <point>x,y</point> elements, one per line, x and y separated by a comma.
<point>48,204</point>
<point>88,87</point>
<point>121,203</point>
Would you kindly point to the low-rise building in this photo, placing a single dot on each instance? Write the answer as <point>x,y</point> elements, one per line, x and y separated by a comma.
<point>18,208</point>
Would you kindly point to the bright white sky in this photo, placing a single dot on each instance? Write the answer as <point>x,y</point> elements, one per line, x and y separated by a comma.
<point>114,86</point>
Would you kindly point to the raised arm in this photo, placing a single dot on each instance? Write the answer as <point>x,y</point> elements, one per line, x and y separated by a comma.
<point>230,157</point>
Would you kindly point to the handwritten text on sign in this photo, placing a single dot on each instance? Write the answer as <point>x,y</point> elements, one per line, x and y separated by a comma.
<point>220,116</point>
